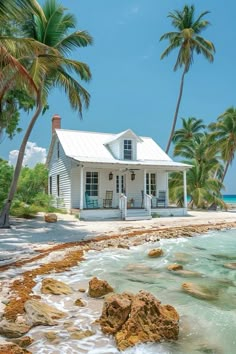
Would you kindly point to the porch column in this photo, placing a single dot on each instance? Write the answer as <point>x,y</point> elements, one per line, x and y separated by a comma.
<point>185,190</point>
<point>81,187</point>
<point>167,189</point>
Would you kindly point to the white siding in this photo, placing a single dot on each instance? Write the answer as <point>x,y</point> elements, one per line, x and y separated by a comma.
<point>60,166</point>
<point>115,149</point>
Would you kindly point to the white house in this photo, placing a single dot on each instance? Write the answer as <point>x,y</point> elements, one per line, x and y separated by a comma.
<point>105,176</point>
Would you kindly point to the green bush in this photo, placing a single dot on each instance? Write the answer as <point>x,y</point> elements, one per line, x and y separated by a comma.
<point>22,210</point>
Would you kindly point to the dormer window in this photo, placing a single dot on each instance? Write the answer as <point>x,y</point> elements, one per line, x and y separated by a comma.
<point>127,149</point>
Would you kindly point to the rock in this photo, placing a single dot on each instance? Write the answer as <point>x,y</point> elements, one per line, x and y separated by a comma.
<point>79,303</point>
<point>23,342</point>
<point>39,313</point>
<point>12,348</point>
<point>81,334</point>
<point>13,330</point>
<point>123,245</point>
<point>198,291</point>
<point>55,287</point>
<point>230,265</point>
<point>51,336</point>
<point>182,257</point>
<point>116,310</point>
<point>140,319</point>
<point>98,288</point>
<point>187,273</point>
<point>50,217</point>
<point>81,290</point>
<point>156,252</point>
<point>175,267</point>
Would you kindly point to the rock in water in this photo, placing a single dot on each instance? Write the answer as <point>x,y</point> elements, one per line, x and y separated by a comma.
<point>12,329</point>
<point>201,292</point>
<point>230,265</point>
<point>174,267</point>
<point>50,217</point>
<point>39,313</point>
<point>55,287</point>
<point>156,252</point>
<point>11,348</point>
<point>138,319</point>
<point>98,288</point>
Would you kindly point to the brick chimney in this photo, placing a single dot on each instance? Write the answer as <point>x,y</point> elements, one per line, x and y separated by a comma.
<point>56,122</point>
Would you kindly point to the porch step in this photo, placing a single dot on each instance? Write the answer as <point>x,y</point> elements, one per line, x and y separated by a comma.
<point>137,214</point>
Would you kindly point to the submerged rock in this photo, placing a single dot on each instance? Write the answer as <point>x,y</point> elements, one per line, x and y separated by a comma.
<point>79,334</point>
<point>23,342</point>
<point>156,252</point>
<point>138,318</point>
<point>174,267</point>
<point>199,291</point>
<point>12,329</point>
<point>55,287</point>
<point>230,265</point>
<point>79,302</point>
<point>182,257</point>
<point>39,313</point>
<point>98,288</point>
<point>188,273</point>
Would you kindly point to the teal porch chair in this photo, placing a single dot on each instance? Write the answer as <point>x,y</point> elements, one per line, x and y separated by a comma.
<point>90,203</point>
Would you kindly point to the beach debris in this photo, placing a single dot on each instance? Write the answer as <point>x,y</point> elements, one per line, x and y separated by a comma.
<point>23,342</point>
<point>50,217</point>
<point>98,287</point>
<point>12,329</point>
<point>55,287</point>
<point>79,302</point>
<point>230,265</point>
<point>12,348</point>
<point>39,313</point>
<point>175,267</point>
<point>156,252</point>
<point>79,334</point>
<point>138,318</point>
<point>200,291</point>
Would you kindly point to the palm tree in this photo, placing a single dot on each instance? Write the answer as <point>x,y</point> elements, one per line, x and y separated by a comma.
<point>224,137</point>
<point>192,130</point>
<point>51,67</point>
<point>188,40</point>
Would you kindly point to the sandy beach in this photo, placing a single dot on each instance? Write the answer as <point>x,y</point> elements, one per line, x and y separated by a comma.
<point>34,248</point>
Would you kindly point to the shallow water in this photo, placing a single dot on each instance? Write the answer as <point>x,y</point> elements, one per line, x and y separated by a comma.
<point>205,326</point>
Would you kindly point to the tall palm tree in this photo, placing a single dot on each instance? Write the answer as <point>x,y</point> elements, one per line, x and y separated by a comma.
<point>188,41</point>
<point>51,67</point>
<point>224,137</point>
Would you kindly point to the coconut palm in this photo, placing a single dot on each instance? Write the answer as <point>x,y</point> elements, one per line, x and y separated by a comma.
<point>192,130</point>
<point>188,41</point>
<point>51,67</point>
<point>224,137</point>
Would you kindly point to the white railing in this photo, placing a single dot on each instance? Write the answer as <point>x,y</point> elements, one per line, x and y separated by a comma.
<point>148,203</point>
<point>123,206</point>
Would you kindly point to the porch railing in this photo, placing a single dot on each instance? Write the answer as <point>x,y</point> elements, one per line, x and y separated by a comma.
<point>123,206</point>
<point>148,203</point>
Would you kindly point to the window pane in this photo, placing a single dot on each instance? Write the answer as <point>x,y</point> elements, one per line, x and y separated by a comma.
<point>92,183</point>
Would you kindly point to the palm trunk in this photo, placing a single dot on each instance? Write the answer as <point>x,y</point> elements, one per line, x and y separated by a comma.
<point>177,110</point>
<point>4,217</point>
<point>225,171</point>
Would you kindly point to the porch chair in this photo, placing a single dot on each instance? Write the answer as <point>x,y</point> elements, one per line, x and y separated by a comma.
<point>90,203</point>
<point>107,202</point>
<point>161,199</point>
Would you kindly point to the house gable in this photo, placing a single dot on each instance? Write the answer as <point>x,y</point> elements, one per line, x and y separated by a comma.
<point>124,145</point>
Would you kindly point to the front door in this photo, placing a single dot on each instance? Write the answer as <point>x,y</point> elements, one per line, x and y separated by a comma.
<point>120,186</point>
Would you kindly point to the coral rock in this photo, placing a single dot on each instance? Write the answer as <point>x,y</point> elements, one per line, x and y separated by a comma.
<point>13,330</point>
<point>175,267</point>
<point>11,348</point>
<point>55,287</point>
<point>98,288</point>
<point>230,265</point>
<point>198,291</point>
<point>79,303</point>
<point>140,319</point>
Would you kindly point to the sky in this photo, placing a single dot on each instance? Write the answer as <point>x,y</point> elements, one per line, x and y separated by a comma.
<point>131,87</point>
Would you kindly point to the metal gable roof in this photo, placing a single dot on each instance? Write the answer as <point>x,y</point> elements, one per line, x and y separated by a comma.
<point>92,147</point>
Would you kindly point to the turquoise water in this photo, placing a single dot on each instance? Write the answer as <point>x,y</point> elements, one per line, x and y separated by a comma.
<point>205,326</point>
<point>229,198</point>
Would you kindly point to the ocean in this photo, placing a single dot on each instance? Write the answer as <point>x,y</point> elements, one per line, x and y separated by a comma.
<point>229,198</point>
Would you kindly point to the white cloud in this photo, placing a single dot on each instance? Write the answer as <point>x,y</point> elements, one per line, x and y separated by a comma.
<point>33,155</point>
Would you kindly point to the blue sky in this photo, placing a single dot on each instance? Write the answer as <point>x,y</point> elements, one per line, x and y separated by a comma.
<point>131,87</point>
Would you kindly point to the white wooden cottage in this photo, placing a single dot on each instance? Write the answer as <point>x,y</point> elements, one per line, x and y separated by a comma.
<point>105,176</point>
